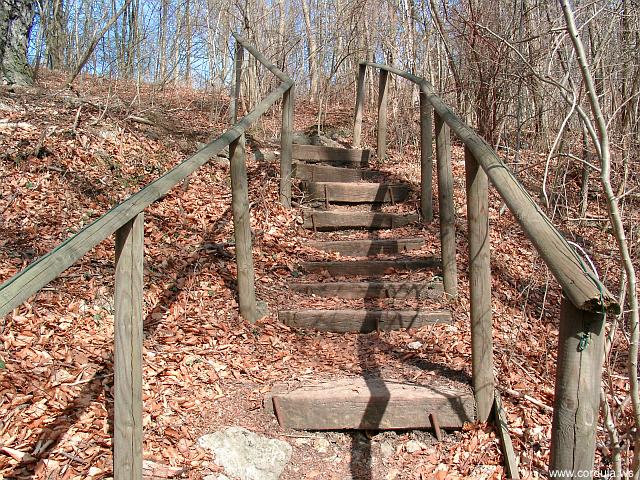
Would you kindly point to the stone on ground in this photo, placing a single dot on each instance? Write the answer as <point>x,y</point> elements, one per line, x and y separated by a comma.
<point>247,455</point>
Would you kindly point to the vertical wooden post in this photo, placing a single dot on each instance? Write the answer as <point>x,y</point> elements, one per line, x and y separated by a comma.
<point>235,100</point>
<point>447,208</point>
<point>357,122</point>
<point>240,206</point>
<point>480,285</point>
<point>426,159</point>
<point>382,115</point>
<point>242,230</point>
<point>577,393</point>
<point>286,147</point>
<point>127,365</point>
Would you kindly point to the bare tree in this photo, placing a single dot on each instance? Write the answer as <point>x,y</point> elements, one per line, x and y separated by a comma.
<point>16,17</point>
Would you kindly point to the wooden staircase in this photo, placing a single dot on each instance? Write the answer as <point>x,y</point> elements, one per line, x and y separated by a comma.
<point>340,195</point>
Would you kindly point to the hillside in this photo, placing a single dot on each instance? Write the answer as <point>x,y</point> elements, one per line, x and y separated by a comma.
<point>69,156</point>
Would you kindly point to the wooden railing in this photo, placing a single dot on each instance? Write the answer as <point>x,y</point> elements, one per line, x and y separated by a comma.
<point>586,300</point>
<point>126,221</point>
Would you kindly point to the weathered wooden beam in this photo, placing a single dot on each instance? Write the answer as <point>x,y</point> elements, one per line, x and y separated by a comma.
<point>358,290</point>
<point>361,321</point>
<point>577,392</point>
<point>242,231</point>
<point>359,111</point>
<point>369,267</point>
<point>447,208</point>
<point>576,278</point>
<point>365,247</point>
<point>327,173</point>
<point>127,366</point>
<point>372,404</point>
<point>286,147</point>
<point>510,459</point>
<point>261,58</point>
<point>382,115</point>
<point>38,274</point>
<point>337,220</point>
<point>334,155</point>
<point>349,192</point>
<point>480,286</point>
<point>562,259</point>
<point>426,159</point>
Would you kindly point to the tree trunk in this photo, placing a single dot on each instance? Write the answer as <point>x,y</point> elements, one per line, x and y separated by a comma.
<point>56,34</point>
<point>16,17</point>
<point>312,52</point>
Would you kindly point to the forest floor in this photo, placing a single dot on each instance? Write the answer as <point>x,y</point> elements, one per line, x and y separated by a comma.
<point>66,157</point>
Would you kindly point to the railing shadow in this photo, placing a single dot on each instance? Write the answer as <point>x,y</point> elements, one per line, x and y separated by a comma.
<point>93,387</point>
<point>361,464</point>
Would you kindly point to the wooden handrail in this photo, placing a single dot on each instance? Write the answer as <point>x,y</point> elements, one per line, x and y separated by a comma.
<point>286,135</point>
<point>573,274</point>
<point>38,274</point>
<point>585,303</point>
<point>126,220</point>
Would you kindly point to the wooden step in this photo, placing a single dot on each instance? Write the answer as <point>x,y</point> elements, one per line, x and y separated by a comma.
<point>364,248</point>
<point>371,403</point>
<point>362,321</point>
<point>331,155</point>
<point>369,267</point>
<point>348,192</point>
<point>326,173</point>
<point>337,220</point>
<point>354,290</point>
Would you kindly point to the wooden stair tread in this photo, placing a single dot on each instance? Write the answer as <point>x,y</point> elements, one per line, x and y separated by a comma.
<point>331,155</point>
<point>362,321</point>
<point>364,248</point>
<point>369,267</point>
<point>338,219</point>
<point>355,290</point>
<point>352,192</point>
<point>327,173</point>
<point>371,403</point>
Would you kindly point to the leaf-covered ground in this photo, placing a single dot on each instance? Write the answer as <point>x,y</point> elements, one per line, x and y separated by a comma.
<point>68,156</point>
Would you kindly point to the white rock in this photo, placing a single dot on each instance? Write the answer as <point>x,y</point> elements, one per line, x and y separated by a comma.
<point>247,455</point>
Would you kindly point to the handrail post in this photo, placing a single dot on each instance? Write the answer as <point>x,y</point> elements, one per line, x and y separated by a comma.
<point>426,158</point>
<point>286,147</point>
<point>357,122</point>
<point>577,392</point>
<point>242,230</point>
<point>240,207</point>
<point>382,115</point>
<point>480,285</point>
<point>127,352</point>
<point>447,208</point>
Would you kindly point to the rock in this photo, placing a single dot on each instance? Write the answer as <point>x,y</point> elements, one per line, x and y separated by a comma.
<point>413,446</point>
<point>324,141</point>
<point>264,156</point>
<point>301,441</point>
<point>222,161</point>
<point>301,139</point>
<point>108,135</point>
<point>386,450</point>
<point>414,345</point>
<point>321,445</point>
<point>247,455</point>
